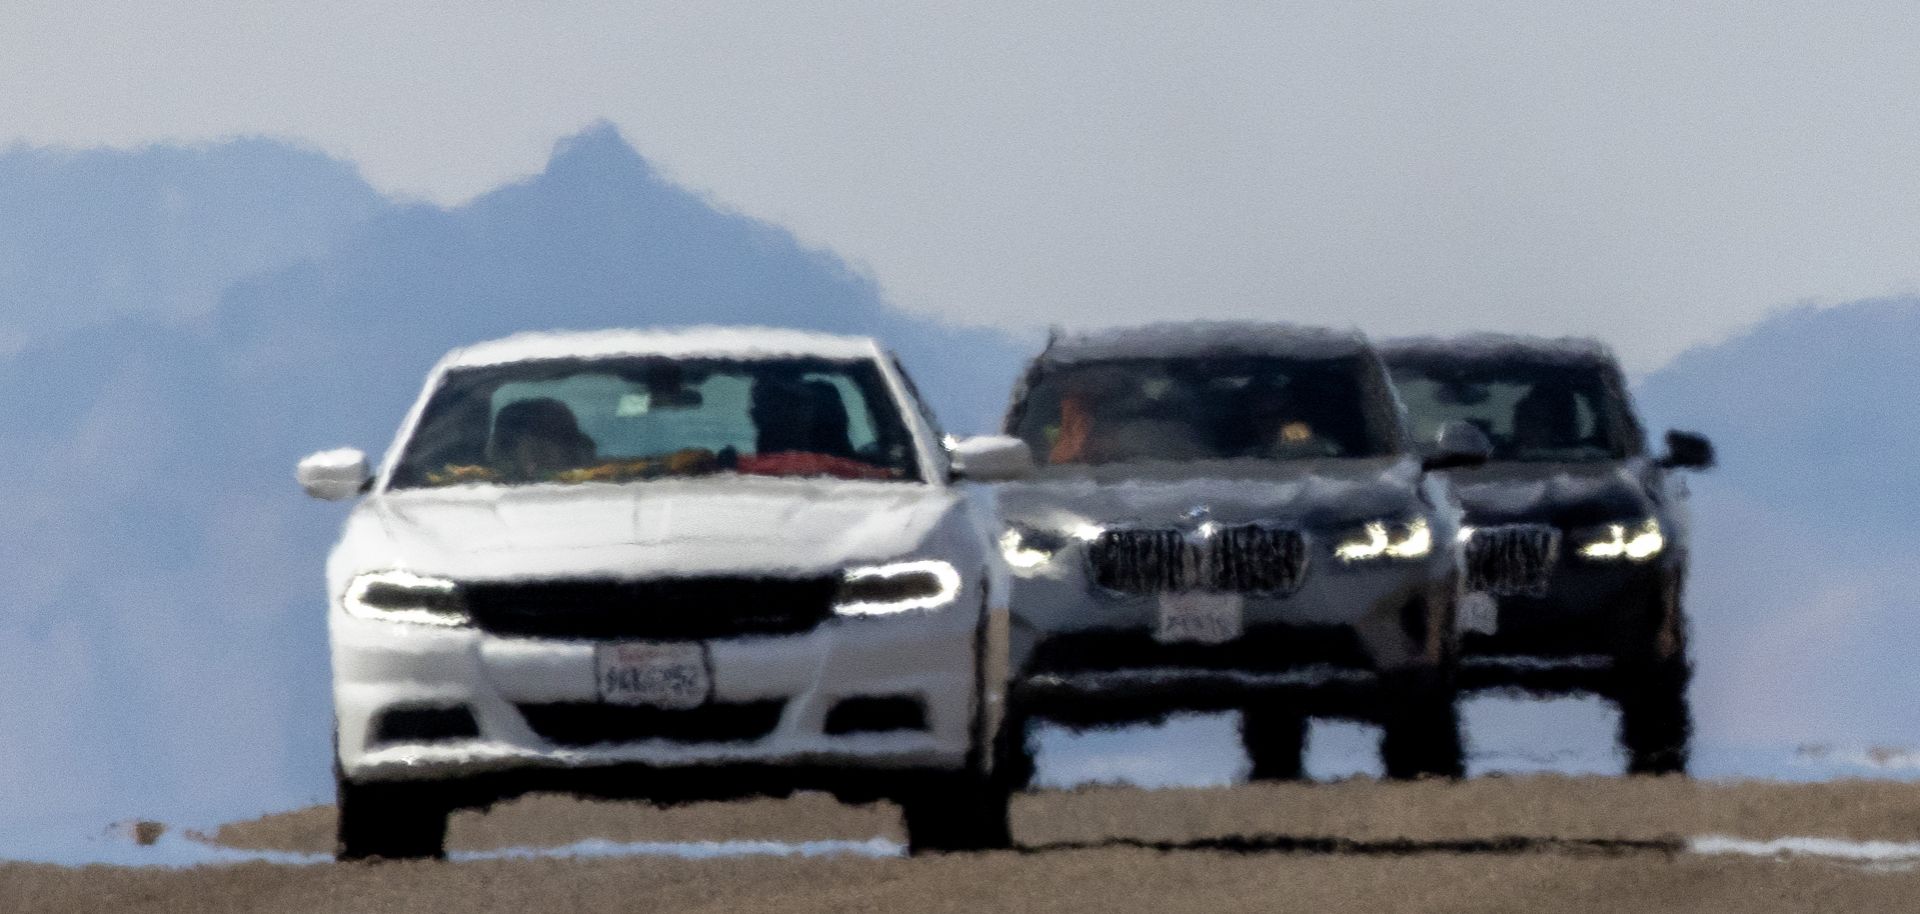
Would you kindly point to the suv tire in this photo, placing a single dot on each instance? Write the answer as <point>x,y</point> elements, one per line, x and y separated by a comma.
<point>1656,725</point>
<point>1421,724</point>
<point>1276,743</point>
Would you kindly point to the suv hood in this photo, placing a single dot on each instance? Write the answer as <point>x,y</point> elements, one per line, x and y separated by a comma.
<point>739,525</point>
<point>1311,494</point>
<point>1564,494</point>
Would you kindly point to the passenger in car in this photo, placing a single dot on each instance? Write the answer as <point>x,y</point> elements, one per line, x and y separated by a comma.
<point>800,416</point>
<point>533,439</point>
<point>1547,418</point>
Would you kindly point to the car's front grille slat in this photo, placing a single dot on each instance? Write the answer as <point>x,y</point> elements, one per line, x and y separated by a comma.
<point>1512,559</point>
<point>1246,558</point>
<point>671,609</point>
<point>582,724</point>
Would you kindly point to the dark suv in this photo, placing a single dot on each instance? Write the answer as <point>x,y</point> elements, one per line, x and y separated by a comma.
<point>1575,537</point>
<point>1230,516</point>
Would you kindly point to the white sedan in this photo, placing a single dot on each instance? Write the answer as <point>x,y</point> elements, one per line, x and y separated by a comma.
<point>667,565</point>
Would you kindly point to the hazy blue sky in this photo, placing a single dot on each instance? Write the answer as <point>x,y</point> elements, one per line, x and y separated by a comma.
<point>1661,173</point>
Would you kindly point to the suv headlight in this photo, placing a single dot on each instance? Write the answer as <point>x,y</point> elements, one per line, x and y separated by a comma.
<point>1026,548</point>
<point>1634,542</point>
<point>399,596</point>
<point>1387,539</point>
<point>884,589</point>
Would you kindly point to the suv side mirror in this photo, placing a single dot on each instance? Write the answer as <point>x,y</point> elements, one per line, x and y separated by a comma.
<point>992,458</point>
<point>334,475</point>
<point>1458,444</point>
<point>1687,451</point>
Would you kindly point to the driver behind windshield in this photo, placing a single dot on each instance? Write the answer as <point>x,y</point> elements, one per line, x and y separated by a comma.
<point>1547,418</point>
<point>534,439</point>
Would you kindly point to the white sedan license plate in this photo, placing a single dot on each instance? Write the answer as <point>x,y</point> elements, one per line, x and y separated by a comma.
<point>660,675</point>
<point>1208,618</point>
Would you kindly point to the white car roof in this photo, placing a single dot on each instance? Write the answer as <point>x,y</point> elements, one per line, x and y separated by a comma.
<point>724,342</point>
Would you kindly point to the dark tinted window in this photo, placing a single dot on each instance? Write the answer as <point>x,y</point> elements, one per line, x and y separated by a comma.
<point>1130,410</point>
<point>1529,411</point>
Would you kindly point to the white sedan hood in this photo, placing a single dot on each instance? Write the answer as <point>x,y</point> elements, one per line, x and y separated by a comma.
<point>682,527</point>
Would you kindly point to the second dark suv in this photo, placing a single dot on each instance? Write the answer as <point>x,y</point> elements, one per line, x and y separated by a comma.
<point>1575,538</point>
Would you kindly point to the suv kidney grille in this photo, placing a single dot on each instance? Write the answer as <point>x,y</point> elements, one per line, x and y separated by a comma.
<point>1242,559</point>
<point>664,609</point>
<point>1512,560</point>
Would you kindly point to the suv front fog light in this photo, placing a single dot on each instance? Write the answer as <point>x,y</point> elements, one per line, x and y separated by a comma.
<point>1642,542</point>
<point>399,596</point>
<point>884,589</point>
<point>1383,539</point>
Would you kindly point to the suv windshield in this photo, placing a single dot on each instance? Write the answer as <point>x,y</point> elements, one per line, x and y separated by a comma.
<point>1268,408</point>
<point>608,420</point>
<point>1531,412</point>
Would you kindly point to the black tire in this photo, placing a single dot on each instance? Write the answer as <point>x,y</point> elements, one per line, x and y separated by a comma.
<point>1651,676</point>
<point>1421,726</point>
<point>1276,743</point>
<point>1014,762</point>
<point>963,812</point>
<point>399,821</point>
<point>1656,724</point>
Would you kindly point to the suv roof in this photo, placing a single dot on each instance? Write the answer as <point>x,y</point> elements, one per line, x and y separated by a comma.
<point>1498,347</point>
<point>732,342</point>
<point>1177,339</point>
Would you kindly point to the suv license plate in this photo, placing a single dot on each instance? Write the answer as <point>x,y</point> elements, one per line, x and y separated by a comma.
<point>672,676</point>
<point>1208,618</point>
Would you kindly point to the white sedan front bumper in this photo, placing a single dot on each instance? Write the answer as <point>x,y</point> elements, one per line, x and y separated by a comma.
<point>927,656</point>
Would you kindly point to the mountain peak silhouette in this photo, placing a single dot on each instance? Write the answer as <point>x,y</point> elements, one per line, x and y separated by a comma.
<point>154,540</point>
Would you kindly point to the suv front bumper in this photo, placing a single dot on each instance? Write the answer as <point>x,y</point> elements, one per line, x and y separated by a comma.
<point>1572,637</point>
<point>1089,657</point>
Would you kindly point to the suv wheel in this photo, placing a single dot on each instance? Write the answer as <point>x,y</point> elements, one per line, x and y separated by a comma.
<point>1655,723</point>
<point>1014,763</point>
<point>1422,726</point>
<point>1276,742</point>
<point>959,812</point>
<point>401,821</point>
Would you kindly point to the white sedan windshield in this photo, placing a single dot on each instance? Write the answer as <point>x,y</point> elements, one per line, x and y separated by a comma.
<point>601,420</point>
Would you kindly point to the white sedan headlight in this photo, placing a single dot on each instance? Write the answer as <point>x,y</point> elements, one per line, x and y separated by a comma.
<point>1387,539</point>
<point>1634,542</point>
<point>400,596</point>
<point>885,589</point>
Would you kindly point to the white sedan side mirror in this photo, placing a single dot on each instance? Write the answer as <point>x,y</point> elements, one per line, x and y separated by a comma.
<point>992,458</point>
<point>334,475</point>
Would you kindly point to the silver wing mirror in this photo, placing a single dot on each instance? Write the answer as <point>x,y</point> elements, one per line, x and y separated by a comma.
<point>334,475</point>
<point>992,458</point>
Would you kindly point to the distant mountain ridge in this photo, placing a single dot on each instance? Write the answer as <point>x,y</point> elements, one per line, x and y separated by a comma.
<point>163,648</point>
<point>1806,583</point>
<point>94,235</point>
<point>1813,406</point>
